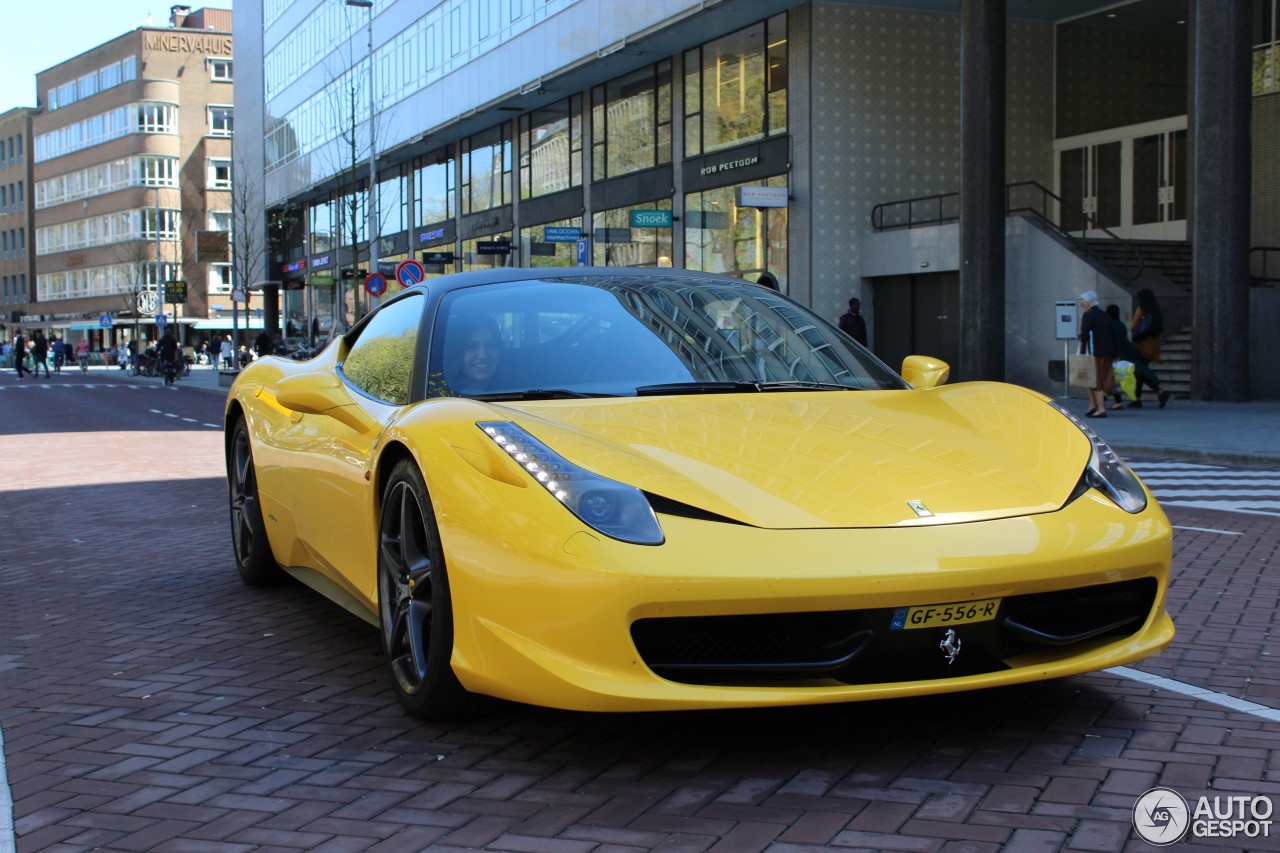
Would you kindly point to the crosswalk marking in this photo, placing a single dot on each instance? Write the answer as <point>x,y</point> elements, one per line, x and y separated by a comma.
<point>1195,485</point>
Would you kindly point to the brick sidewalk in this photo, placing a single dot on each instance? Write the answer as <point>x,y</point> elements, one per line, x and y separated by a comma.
<point>150,702</point>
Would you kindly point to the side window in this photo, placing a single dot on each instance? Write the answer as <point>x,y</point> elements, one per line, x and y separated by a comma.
<point>380,362</point>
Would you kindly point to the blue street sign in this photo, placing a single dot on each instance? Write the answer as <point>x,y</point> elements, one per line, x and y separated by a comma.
<point>409,273</point>
<point>375,283</point>
<point>561,234</point>
<point>584,252</point>
<point>104,320</point>
<point>162,319</point>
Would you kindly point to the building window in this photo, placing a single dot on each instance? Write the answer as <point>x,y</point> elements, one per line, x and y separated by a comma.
<point>221,70</point>
<point>735,88</point>
<point>220,278</point>
<point>219,220</point>
<point>434,195</point>
<point>324,237</point>
<point>537,251</point>
<point>551,148</point>
<point>616,243</point>
<point>486,170</point>
<point>219,177</point>
<point>631,122</point>
<point>221,120</point>
<point>392,215</point>
<point>721,237</point>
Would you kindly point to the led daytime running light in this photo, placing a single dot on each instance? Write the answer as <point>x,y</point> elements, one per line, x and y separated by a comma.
<point>614,509</point>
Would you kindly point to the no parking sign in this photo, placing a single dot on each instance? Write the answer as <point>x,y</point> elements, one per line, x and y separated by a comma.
<point>375,283</point>
<point>409,273</point>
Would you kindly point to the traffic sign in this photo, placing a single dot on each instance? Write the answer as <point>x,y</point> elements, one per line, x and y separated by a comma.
<point>104,320</point>
<point>175,292</point>
<point>409,273</point>
<point>584,252</point>
<point>375,283</point>
<point>162,319</point>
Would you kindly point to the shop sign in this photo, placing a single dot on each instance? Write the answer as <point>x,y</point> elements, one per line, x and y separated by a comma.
<point>542,250</point>
<point>650,219</point>
<point>322,261</point>
<point>762,196</point>
<point>296,266</point>
<point>428,236</point>
<point>437,257</point>
<point>613,235</point>
<point>321,280</point>
<point>561,234</point>
<point>730,165</point>
<point>494,247</point>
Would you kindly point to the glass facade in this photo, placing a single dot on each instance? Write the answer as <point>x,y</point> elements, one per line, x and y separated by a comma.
<point>486,170</point>
<point>475,256</point>
<point>434,194</point>
<point>551,148</point>
<point>735,88</point>
<point>617,242</point>
<point>537,250</point>
<point>721,237</point>
<point>631,122</point>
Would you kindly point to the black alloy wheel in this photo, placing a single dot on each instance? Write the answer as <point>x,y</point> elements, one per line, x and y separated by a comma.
<point>248,532</point>
<point>414,606</point>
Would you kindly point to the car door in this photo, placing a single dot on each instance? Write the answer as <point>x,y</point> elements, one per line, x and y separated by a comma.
<point>334,506</point>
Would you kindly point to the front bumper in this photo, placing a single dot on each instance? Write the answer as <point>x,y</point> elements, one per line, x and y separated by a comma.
<point>556,626</point>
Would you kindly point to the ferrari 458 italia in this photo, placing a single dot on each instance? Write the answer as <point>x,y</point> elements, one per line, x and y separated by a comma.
<point>642,489</point>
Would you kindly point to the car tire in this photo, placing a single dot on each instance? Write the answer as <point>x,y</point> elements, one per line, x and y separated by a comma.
<point>248,532</point>
<point>415,608</point>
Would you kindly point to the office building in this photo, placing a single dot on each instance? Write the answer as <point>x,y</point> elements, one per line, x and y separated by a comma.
<point>825,143</point>
<point>132,160</point>
<point>16,234</point>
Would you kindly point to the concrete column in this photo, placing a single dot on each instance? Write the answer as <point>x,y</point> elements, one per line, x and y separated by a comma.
<point>1221,169</point>
<point>982,182</point>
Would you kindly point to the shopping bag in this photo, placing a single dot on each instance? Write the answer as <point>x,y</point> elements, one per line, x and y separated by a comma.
<point>1126,378</point>
<point>1080,370</point>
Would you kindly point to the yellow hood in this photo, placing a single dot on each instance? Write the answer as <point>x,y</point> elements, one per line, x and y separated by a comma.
<point>966,452</point>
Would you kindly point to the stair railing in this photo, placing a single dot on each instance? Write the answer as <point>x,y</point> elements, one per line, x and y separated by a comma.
<point>1044,205</point>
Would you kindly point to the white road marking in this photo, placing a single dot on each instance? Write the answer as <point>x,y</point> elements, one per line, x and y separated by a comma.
<point>1201,693</point>
<point>1209,530</point>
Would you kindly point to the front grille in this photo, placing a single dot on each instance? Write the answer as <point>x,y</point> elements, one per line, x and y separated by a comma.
<point>859,647</point>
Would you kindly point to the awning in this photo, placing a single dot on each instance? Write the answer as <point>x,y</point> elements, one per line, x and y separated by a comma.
<point>212,325</point>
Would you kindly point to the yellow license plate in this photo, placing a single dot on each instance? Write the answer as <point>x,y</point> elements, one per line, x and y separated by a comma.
<point>944,615</point>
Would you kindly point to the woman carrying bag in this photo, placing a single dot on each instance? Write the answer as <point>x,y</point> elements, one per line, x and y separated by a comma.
<point>1146,329</point>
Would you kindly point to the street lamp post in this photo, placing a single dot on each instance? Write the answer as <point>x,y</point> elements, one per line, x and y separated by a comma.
<point>373,152</point>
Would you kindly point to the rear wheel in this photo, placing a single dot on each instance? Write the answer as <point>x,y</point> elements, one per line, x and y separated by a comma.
<point>414,605</point>
<point>248,532</point>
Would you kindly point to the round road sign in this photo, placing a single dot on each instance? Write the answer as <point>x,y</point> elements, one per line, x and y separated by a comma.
<point>375,283</point>
<point>409,273</point>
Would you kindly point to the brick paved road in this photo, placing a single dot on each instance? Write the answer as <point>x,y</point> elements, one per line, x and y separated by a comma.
<point>150,702</point>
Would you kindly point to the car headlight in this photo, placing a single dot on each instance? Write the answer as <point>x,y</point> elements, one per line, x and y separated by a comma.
<point>1107,472</point>
<point>615,509</point>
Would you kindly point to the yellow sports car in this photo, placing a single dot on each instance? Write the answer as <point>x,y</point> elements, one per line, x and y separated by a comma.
<point>643,489</point>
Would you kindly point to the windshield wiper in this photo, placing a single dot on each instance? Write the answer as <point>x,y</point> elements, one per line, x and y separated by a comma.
<point>671,388</point>
<point>797,385</point>
<point>537,394</point>
<point>738,387</point>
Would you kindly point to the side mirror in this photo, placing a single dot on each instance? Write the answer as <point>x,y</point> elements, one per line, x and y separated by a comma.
<point>921,371</point>
<point>321,393</point>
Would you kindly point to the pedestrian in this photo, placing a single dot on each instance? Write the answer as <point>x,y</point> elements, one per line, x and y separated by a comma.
<point>39,354</point>
<point>1096,338</point>
<point>852,322</point>
<point>20,353</point>
<point>226,351</point>
<point>1146,328</point>
<point>59,354</point>
<point>263,345</point>
<point>768,280</point>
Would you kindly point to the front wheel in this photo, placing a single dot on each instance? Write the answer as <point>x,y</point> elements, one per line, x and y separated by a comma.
<point>415,608</point>
<point>248,532</point>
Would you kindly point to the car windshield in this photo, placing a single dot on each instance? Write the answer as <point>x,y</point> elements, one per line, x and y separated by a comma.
<point>631,335</point>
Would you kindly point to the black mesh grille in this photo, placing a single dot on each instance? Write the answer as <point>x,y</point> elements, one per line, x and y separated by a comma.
<point>860,647</point>
<point>667,506</point>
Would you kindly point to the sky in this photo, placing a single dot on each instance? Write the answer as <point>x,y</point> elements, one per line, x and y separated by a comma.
<point>39,35</point>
